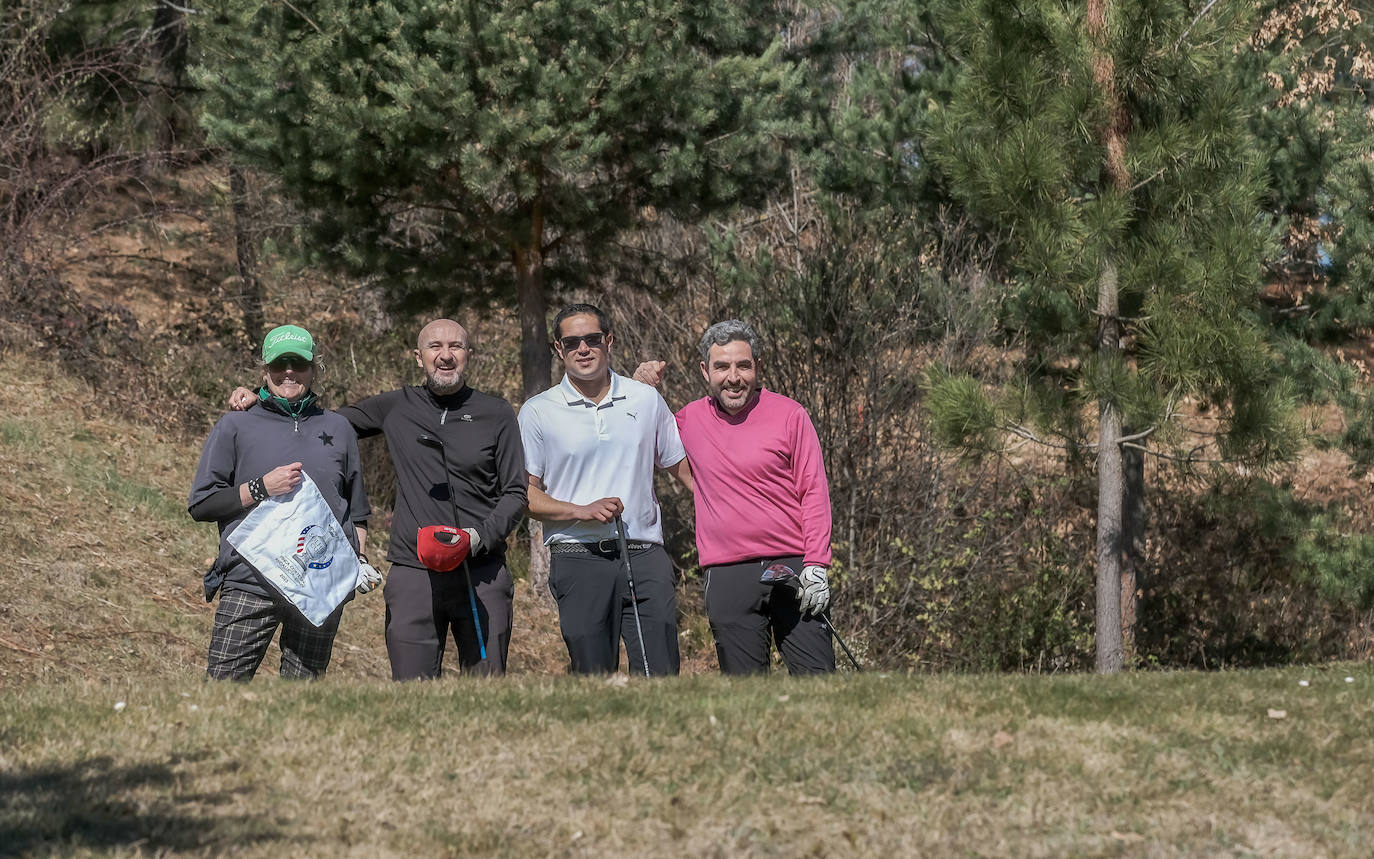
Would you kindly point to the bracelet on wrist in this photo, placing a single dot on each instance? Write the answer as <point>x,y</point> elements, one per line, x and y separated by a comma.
<point>257,489</point>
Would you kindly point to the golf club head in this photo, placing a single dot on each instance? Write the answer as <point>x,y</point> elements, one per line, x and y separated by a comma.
<point>429,441</point>
<point>779,574</point>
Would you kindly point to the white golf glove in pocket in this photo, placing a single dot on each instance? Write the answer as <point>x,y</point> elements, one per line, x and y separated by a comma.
<point>814,592</point>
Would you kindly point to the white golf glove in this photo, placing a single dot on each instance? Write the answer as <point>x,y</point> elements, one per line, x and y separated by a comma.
<point>473,541</point>
<point>814,592</point>
<point>368,577</point>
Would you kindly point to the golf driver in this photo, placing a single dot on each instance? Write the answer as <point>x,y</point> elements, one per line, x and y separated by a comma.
<point>630,577</point>
<point>781,574</point>
<point>430,441</point>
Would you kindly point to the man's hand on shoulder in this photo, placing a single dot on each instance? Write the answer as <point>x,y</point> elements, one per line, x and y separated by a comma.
<point>242,399</point>
<point>651,372</point>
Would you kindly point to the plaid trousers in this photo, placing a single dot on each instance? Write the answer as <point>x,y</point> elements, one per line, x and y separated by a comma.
<point>244,626</point>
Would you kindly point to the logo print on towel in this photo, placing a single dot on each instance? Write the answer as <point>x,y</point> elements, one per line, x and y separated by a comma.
<point>313,552</point>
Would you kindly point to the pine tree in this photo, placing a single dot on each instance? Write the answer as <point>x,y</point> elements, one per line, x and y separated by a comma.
<point>1107,142</point>
<point>481,150</point>
<point>1311,70</point>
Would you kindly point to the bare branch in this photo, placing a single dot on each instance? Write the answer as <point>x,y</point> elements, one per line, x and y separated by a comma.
<point>307,19</point>
<point>1136,437</point>
<point>1190,458</point>
<point>185,10</point>
<point>1189,28</point>
<point>1023,432</point>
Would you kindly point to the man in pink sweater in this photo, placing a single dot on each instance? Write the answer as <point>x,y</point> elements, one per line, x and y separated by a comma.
<point>761,499</point>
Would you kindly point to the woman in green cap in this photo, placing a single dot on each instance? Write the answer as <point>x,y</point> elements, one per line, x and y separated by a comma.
<point>257,454</point>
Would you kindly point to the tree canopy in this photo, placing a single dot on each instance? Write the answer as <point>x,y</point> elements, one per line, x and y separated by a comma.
<point>475,149</point>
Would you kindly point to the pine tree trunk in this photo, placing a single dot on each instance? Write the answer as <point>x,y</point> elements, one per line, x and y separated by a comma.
<point>1110,480</point>
<point>1132,545</point>
<point>250,287</point>
<point>536,370</point>
<point>169,43</point>
<point>1110,474</point>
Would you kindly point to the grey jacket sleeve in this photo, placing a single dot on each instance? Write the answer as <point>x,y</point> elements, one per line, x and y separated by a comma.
<point>214,473</point>
<point>221,504</point>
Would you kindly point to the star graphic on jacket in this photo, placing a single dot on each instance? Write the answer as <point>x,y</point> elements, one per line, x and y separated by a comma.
<point>326,438</point>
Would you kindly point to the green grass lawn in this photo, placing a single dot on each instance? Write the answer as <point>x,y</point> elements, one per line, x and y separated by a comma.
<point>1245,763</point>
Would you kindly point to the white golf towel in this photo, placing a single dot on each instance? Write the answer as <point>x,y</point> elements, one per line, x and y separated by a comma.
<point>295,542</point>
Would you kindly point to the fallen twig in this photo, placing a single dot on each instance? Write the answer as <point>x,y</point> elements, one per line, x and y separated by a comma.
<point>12,646</point>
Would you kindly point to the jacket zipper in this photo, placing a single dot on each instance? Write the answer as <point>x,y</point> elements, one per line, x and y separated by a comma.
<point>443,417</point>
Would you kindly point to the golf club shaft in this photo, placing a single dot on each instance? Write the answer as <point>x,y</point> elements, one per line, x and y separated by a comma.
<point>476,618</point>
<point>830,625</point>
<point>467,573</point>
<point>630,579</point>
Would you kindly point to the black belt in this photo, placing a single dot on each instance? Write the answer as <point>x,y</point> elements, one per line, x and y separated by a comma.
<point>609,546</point>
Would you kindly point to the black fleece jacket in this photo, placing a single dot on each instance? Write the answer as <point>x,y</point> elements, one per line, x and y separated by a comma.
<point>486,464</point>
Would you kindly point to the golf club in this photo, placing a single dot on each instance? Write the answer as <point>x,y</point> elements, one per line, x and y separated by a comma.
<point>781,574</point>
<point>630,577</point>
<point>430,441</point>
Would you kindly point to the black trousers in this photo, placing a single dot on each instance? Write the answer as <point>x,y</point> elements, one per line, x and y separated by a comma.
<point>423,607</point>
<point>744,612</point>
<point>595,612</point>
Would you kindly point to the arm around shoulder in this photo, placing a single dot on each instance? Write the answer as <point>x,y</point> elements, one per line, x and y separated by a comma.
<point>367,416</point>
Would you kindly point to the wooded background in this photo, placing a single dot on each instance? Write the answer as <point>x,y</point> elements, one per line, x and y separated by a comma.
<point>1077,294</point>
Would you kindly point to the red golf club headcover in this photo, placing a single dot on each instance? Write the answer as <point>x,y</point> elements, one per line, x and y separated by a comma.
<point>442,547</point>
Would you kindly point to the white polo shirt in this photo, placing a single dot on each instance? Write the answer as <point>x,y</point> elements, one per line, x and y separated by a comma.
<point>584,451</point>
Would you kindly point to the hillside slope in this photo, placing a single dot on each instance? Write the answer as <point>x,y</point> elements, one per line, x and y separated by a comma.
<point>101,565</point>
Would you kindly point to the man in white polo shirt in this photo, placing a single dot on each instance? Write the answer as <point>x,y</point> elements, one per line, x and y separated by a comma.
<point>591,445</point>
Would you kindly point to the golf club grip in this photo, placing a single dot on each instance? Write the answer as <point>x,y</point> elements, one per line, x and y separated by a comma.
<point>620,538</point>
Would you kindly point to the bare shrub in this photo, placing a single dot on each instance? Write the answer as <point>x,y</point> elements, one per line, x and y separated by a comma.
<point>49,166</point>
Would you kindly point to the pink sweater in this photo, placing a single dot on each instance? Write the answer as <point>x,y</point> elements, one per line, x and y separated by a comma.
<point>761,490</point>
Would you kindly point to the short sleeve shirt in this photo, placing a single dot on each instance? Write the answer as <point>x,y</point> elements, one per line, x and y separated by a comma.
<point>584,451</point>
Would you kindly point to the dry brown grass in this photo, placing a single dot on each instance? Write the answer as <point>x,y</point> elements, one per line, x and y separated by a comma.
<point>1138,765</point>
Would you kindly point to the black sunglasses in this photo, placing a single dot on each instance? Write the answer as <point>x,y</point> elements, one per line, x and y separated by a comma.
<point>281,365</point>
<point>593,341</point>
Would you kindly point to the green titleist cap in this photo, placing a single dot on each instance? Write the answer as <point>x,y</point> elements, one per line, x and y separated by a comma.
<point>287,340</point>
